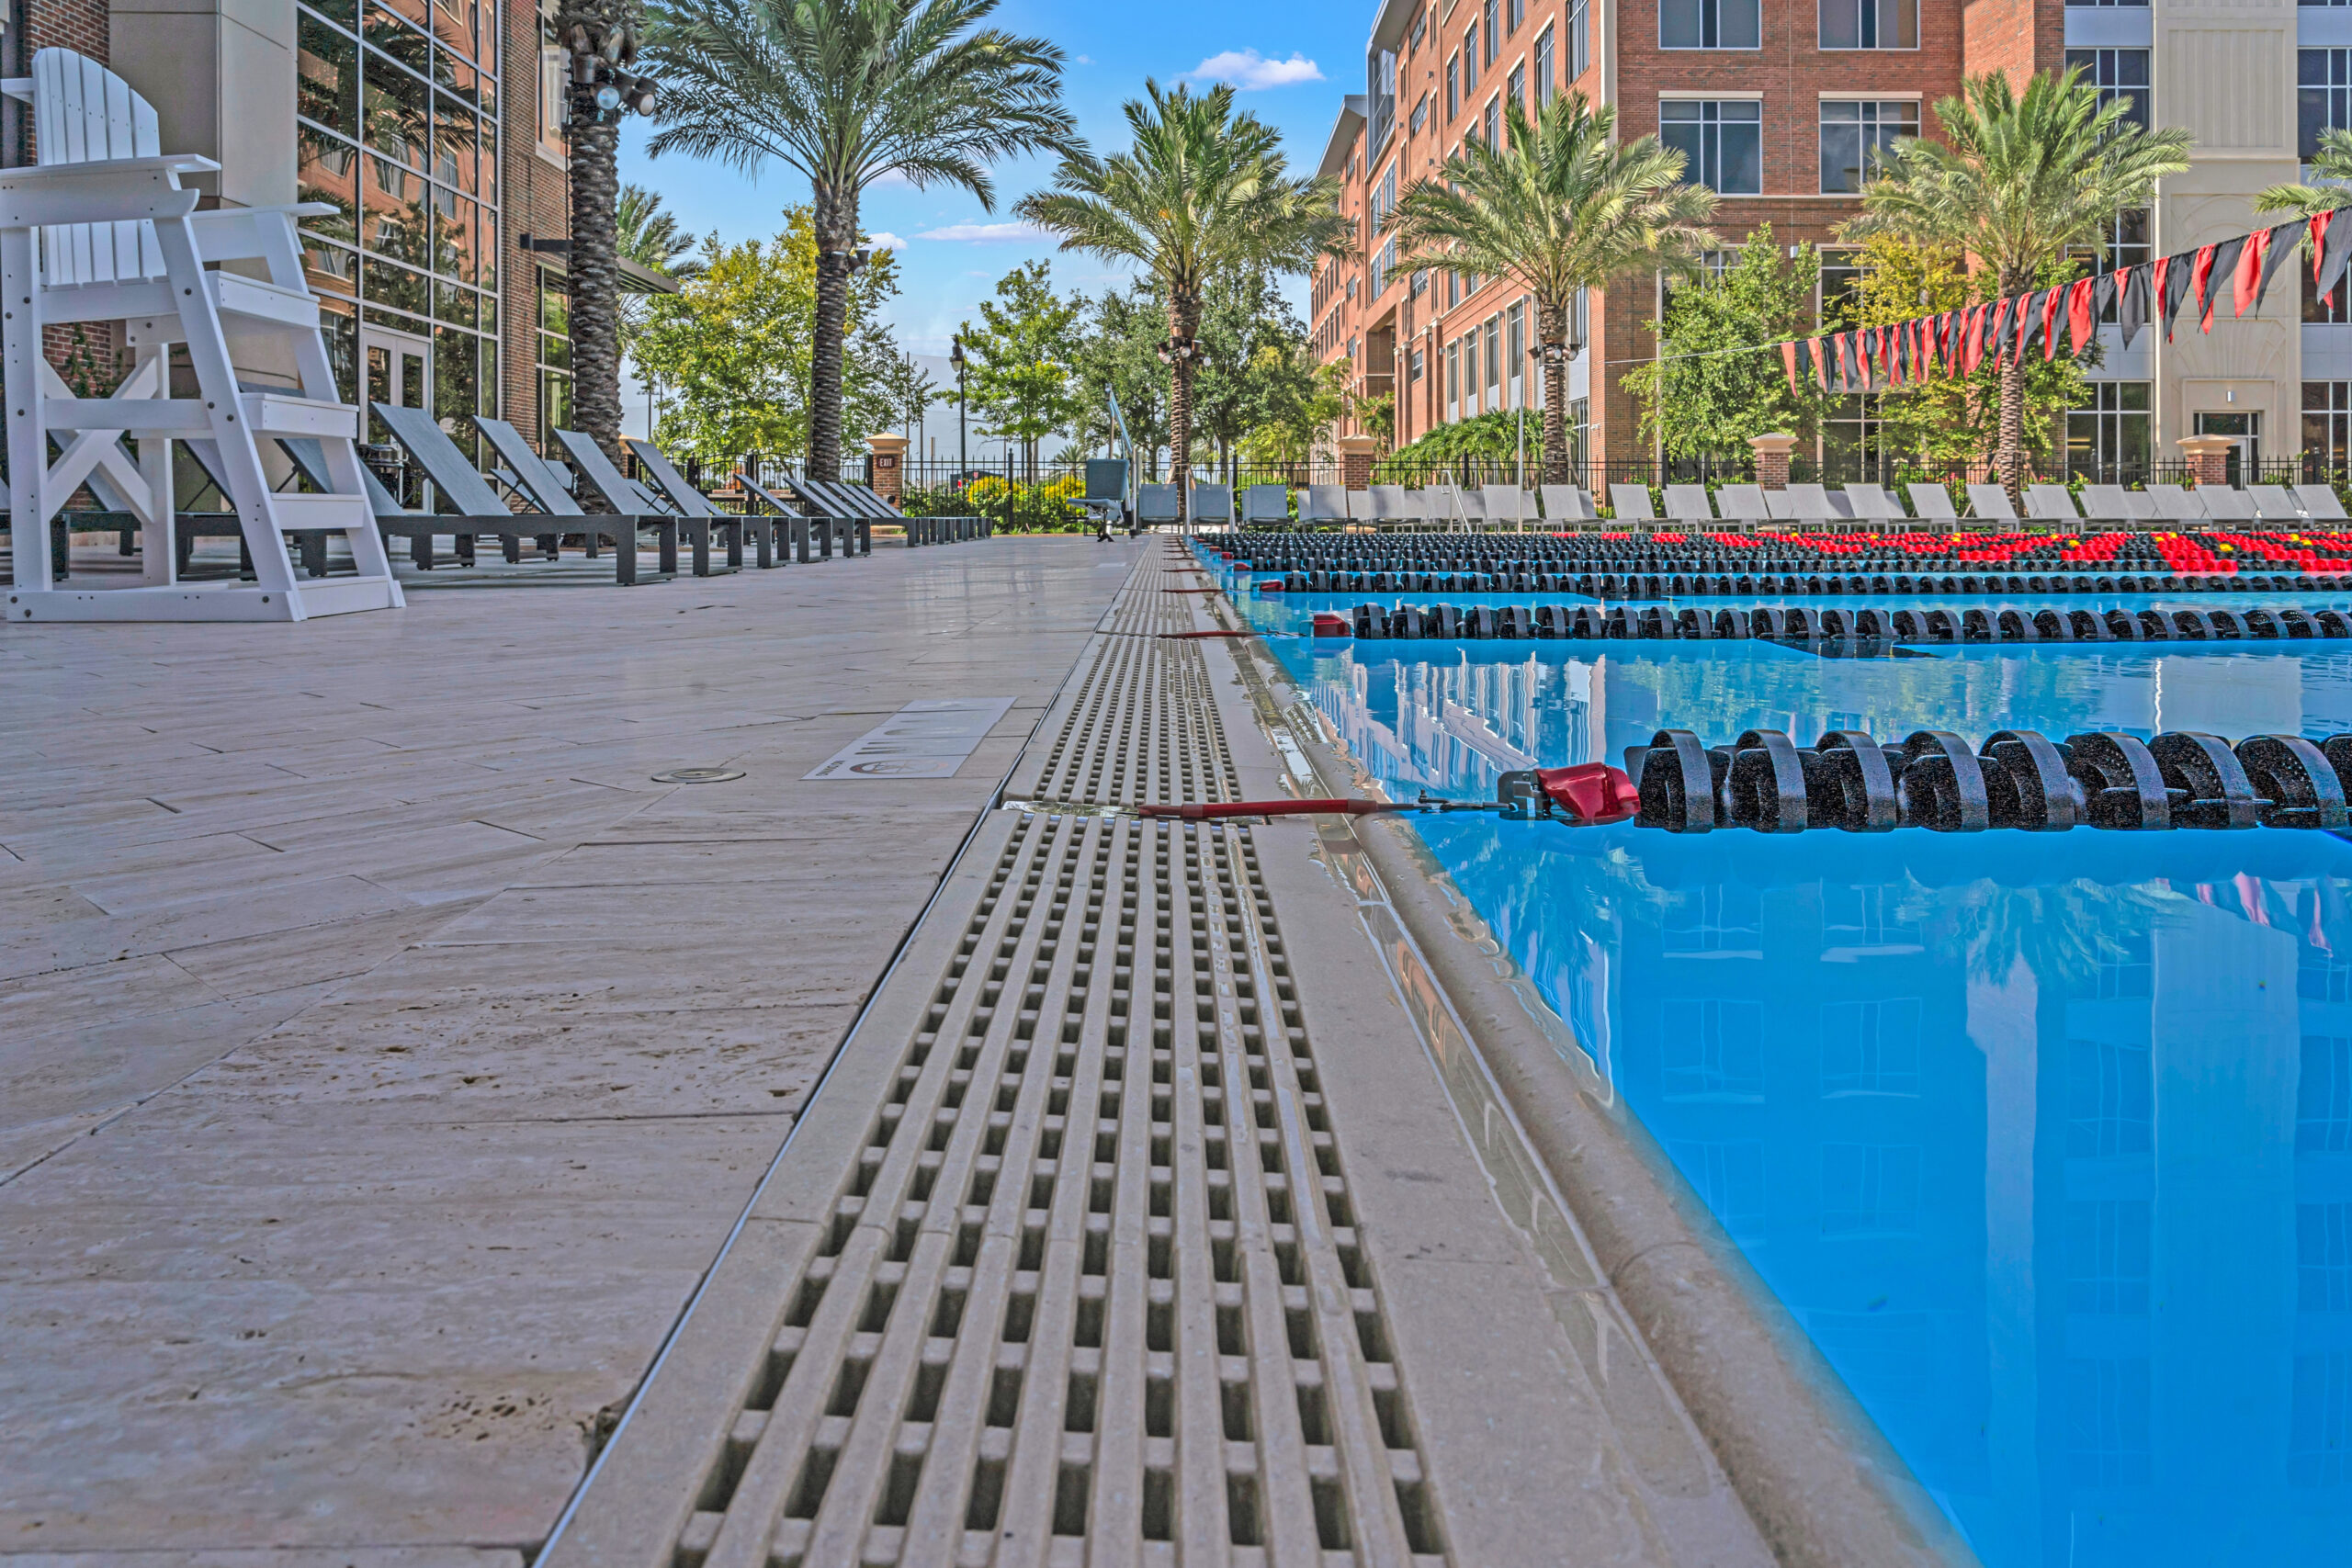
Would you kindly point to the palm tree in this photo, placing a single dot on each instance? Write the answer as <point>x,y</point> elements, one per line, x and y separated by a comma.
<point>651,238</point>
<point>845,92</point>
<point>606,29</point>
<point>2334,164</point>
<point>1203,195</point>
<point>2018,182</point>
<point>1559,207</point>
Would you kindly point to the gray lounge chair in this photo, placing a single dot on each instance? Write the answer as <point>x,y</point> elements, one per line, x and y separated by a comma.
<point>700,516</point>
<point>478,510</point>
<point>2176,504</point>
<point>1157,505</point>
<point>1871,504</point>
<point>1689,504</point>
<point>1990,503</point>
<point>1265,506</point>
<point>2106,504</point>
<point>2051,504</point>
<point>2320,503</point>
<point>1807,503</point>
<point>1324,503</point>
<point>2273,504</point>
<point>1742,504</point>
<point>1212,506</point>
<point>1931,503</point>
<point>1632,504</point>
<point>543,483</point>
<point>2226,503</point>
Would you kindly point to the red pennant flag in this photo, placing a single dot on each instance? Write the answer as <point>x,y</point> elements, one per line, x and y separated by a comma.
<point>2319,240</point>
<point>2079,321</point>
<point>1820,362</point>
<point>2049,304</point>
<point>2157,278</point>
<point>1972,348</point>
<point>2248,280</point>
<point>2201,273</point>
<point>1789,358</point>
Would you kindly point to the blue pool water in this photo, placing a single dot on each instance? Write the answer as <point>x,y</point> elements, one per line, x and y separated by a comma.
<point>2046,1141</point>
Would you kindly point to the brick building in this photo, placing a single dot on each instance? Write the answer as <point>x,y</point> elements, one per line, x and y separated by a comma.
<point>1777,105</point>
<point>435,129</point>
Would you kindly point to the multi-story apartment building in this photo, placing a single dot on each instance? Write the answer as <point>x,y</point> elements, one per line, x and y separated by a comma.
<point>1778,105</point>
<point>434,130</point>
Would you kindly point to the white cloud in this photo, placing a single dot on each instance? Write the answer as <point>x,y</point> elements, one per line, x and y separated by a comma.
<point>986,231</point>
<point>1085,60</point>
<point>885,240</point>
<point>1246,68</point>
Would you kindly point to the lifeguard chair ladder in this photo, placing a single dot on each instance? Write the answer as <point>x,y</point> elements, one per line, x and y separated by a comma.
<point>101,231</point>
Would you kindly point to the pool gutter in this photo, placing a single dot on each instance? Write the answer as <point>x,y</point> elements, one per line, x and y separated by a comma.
<point>1815,1474</point>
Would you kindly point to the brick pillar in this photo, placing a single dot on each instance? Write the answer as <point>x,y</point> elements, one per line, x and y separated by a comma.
<point>2209,457</point>
<point>1355,462</point>
<point>890,463</point>
<point>1772,459</point>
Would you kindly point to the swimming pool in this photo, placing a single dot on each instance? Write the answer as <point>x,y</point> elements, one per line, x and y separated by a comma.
<point>2045,1142</point>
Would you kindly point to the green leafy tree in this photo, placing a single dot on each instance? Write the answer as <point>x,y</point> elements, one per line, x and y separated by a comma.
<point>1295,404</point>
<point>846,91</point>
<point>735,342</point>
<point>1115,357</point>
<point>1699,400</point>
<point>1021,376</point>
<point>1561,206</point>
<point>1203,196</point>
<point>1241,321</point>
<point>911,392</point>
<point>2018,182</point>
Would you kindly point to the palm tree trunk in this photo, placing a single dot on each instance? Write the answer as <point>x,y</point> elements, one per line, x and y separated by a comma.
<point>836,233</point>
<point>1184,315</point>
<point>1552,329</point>
<point>595,286</point>
<point>2008,448</point>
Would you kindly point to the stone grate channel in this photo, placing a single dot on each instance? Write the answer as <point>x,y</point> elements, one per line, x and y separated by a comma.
<point>1063,1265</point>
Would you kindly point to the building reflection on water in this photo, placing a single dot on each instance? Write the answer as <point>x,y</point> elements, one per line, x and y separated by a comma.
<point>2046,1143</point>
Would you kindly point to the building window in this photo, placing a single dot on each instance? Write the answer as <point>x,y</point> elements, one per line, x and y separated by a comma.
<point>1720,141</point>
<point>2143,4</point>
<point>1580,38</point>
<point>2107,1257</point>
<point>1470,60</point>
<point>2324,1089</point>
<point>1494,124</point>
<point>1383,264</point>
<point>1517,10</point>
<point>1417,365</point>
<point>2333,311</point>
<point>396,132</point>
<point>2110,436</point>
<point>1858,139</point>
<point>1420,26</point>
<point>1495,361</point>
<point>555,79</point>
<point>1853,436</point>
<point>1515,351</point>
<point>1420,114</point>
<point>2322,95</point>
<point>2123,73</point>
<point>1543,70</point>
<point>1579,436</point>
<point>2127,245</point>
<point>2327,427</point>
<point>1453,289</point>
<point>1709,24</point>
<point>1494,32</point>
<point>1870,24</point>
<point>1517,90</point>
<point>555,353</point>
<point>1454,379</point>
<point>1452,88</point>
<point>2319,1440</point>
<point>2110,1100</point>
<point>2323,1257</point>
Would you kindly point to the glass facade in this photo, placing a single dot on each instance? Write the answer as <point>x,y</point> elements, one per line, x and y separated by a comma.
<point>2327,428</point>
<point>1722,142</point>
<point>398,125</point>
<point>2110,436</point>
<point>1858,138</point>
<point>2117,73</point>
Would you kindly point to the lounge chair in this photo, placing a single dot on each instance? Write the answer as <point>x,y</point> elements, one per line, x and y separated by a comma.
<point>2107,505</point>
<point>2226,503</point>
<point>1689,504</point>
<point>1505,503</point>
<point>2273,504</point>
<point>1931,503</point>
<point>1363,506</point>
<point>1393,504</point>
<point>800,525</point>
<point>1742,504</point>
<point>1212,506</point>
<point>2051,504</point>
<point>479,511</point>
<point>1265,506</point>
<point>1871,504</point>
<point>2320,503</point>
<point>1157,505</point>
<point>2175,504</point>
<point>1324,503</point>
<point>1566,503</point>
<point>673,493</point>
<point>1990,503</point>
<point>1807,503</point>
<point>1631,503</point>
<point>543,483</point>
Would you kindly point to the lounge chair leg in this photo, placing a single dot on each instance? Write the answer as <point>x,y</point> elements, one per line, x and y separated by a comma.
<point>512,548</point>
<point>550,543</point>
<point>624,555</point>
<point>698,540</point>
<point>465,543</point>
<point>734,542</point>
<point>668,537</point>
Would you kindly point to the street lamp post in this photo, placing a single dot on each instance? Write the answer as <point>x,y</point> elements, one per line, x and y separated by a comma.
<point>963,455</point>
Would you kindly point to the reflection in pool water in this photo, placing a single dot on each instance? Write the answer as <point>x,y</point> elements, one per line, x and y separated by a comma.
<point>2046,1141</point>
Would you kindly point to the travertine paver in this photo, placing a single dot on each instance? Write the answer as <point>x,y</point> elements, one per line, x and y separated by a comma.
<point>384,1056</point>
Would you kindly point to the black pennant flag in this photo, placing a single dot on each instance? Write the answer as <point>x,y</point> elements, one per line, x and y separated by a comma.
<point>2132,303</point>
<point>2337,250</point>
<point>2282,245</point>
<point>2176,271</point>
<point>2102,296</point>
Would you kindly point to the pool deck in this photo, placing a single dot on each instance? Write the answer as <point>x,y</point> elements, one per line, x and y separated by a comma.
<point>387,1061</point>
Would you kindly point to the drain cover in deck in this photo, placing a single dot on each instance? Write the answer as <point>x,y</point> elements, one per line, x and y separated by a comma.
<point>698,776</point>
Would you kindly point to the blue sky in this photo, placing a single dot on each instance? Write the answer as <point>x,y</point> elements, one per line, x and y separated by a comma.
<point>1293,64</point>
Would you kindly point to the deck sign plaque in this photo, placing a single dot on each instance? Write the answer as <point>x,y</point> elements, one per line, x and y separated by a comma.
<point>928,739</point>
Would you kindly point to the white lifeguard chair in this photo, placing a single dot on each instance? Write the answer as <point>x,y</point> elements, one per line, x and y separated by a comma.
<point>100,230</point>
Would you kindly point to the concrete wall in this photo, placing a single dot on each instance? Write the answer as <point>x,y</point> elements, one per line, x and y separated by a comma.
<point>220,75</point>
